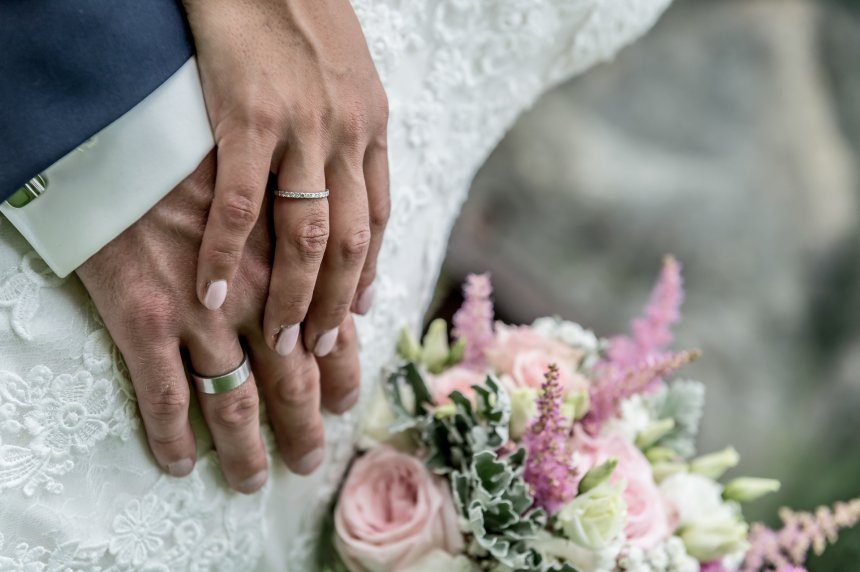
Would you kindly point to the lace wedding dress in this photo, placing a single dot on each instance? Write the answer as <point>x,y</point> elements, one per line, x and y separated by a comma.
<point>78,488</point>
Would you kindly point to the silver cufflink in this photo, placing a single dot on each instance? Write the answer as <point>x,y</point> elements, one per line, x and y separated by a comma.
<point>32,190</point>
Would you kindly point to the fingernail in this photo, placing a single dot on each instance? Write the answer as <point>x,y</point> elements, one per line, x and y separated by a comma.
<point>216,293</point>
<point>365,301</point>
<point>325,343</point>
<point>287,340</point>
<point>348,402</point>
<point>180,468</point>
<point>254,483</point>
<point>309,463</point>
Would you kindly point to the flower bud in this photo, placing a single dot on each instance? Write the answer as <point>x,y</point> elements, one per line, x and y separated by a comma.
<point>523,409</point>
<point>598,475</point>
<point>714,465</point>
<point>653,432</point>
<point>407,346</point>
<point>664,469</point>
<point>576,405</point>
<point>712,539</point>
<point>436,349</point>
<point>658,454</point>
<point>748,489</point>
<point>594,519</point>
<point>445,410</point>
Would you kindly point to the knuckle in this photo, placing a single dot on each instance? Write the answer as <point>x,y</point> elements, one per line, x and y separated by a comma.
<point>300,389</point>
<point>333,313</point>
<point>310,239</point>
<point>354,245</point>
<point>381,103</point>
<point>355,123</point>
<point>239,212</point>
<point>380,210</point>
<point>237,412</point>
<point>262,117</point>
<point>221,256</point>
<point>163,403</point>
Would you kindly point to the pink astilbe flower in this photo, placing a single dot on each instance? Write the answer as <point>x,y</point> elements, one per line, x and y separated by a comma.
<point>786,549</point>
<point>614,384</point>
<point>549,467</point>
<point>473,322</point>
<point>652,332</point>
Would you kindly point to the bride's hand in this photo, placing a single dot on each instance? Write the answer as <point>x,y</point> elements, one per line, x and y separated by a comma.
<point>141,287</point>
<point>290,87</point>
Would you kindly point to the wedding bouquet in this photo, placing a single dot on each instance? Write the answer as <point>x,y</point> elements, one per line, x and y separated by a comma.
<point>545,448</point>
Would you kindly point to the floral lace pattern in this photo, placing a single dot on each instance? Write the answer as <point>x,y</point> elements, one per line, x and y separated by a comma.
<point>78,489</point>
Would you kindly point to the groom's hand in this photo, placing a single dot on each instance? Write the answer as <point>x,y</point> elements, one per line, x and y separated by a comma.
<point>141,285</point>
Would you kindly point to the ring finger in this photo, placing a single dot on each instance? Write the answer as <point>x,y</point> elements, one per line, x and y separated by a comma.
<point>233,417</point>
<point>301,229</point>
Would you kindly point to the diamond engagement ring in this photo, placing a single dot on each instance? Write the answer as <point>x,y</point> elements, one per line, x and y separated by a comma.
<point>225,382</point>
<point>296,195</point>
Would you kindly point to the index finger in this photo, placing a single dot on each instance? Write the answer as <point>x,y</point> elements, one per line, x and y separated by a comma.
<point>240,186</point>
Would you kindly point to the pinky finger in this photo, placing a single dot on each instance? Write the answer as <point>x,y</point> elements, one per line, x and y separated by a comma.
<point>376,178</point>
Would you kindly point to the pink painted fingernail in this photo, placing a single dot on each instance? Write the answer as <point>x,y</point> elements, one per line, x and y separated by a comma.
<point>253,484</point>
<point>348,402</point>
<point>287,340</point>
<point>216,293</point>
<point>325,343</point>
<point>309,463</point>
<point>180,468</point>
<point>365,301</point>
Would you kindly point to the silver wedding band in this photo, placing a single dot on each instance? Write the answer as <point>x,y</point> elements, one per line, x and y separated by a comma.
<point>301,195</point>
<point>226,382</point>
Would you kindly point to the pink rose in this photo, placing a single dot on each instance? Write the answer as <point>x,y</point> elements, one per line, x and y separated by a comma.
<point>391,512</point>
<point>529,370</point>
<point>647,516</point>
<point>513,340</point>
<point>455,379</point>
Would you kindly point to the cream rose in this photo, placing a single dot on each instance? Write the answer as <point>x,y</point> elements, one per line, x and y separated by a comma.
<point>594,519</point>
<point>392,511</point>
<point>647,516</point>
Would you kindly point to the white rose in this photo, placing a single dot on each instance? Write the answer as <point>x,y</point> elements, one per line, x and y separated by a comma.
<point>594,519</point>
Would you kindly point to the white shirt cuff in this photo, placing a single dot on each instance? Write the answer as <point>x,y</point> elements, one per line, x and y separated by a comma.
<point>104,186</point>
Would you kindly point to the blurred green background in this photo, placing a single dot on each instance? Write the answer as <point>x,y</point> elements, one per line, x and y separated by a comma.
<point>730,137</point>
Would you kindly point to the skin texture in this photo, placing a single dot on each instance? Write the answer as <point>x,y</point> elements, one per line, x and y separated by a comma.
<point>291,89</point>
<point>141,286</point>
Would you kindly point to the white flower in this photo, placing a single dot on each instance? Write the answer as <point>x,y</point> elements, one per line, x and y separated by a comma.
<point>595,519</point>
<point>710,527</point>
<point>634,416</point>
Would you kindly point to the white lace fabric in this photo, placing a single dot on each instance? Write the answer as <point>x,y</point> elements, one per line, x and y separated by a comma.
<point>78,487</point>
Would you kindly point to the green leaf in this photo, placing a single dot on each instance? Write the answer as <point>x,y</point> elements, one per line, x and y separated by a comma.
<point>683,401</point>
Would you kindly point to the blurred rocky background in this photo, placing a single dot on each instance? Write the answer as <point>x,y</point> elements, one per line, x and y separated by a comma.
<point>730,137</point>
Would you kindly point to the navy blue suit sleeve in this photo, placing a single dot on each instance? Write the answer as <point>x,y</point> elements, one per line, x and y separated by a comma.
<point>69,68</point>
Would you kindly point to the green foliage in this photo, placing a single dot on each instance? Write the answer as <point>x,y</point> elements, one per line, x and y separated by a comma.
<point>496,503</point>
<point>455,438</point>
<point>683,401</point>
<point>463,442</point>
